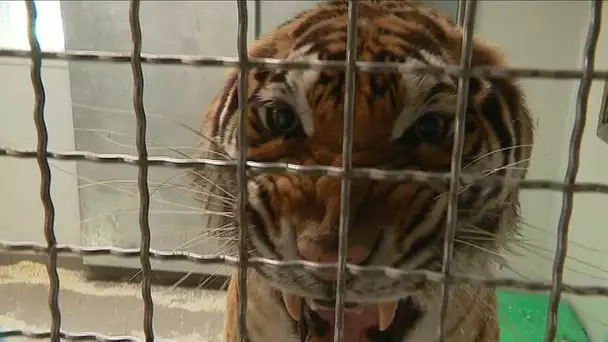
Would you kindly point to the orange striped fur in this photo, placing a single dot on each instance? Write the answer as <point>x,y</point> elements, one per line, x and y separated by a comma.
<point>403,120</point>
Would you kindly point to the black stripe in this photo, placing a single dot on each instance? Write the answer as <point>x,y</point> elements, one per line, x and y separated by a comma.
<point>406,47</point>
<point>264,197</point>
<point>470,196</point>
<point>304,36</point>
<point>420,191</point>
<point>437,89</point>
<point>475,149</point>
<point>490,223</point>
<point>514,102</point>
<point>492,112</point>
<point>431,264</point>
<point>260,230</point>
<point>433,30</point>
<point>424,241</point>
<point>279,76</point>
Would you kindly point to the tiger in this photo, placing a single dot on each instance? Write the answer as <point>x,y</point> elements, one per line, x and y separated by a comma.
<point>404,119</point>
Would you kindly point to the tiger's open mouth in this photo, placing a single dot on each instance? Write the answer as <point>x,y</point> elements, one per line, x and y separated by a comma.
<point>362,322</point>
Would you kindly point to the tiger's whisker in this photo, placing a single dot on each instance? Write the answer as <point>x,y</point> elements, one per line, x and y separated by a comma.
<point>488,154</point>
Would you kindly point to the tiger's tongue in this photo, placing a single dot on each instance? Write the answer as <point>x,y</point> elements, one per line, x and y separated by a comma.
<point>357,321</point>
<point>356,324</point>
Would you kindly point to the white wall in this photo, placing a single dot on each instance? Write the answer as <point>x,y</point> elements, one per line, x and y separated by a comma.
<point>539,41</point>
<point>22,214</point>
<point>550,34</point>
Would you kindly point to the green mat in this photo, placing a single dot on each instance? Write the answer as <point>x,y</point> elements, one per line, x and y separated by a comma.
<point>523,318</point>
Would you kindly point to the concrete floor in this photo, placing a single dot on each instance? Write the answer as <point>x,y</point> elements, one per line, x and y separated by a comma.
<point>107,308</point>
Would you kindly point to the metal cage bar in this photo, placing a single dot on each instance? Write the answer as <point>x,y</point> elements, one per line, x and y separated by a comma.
<point>347,146</point>
<point>142,176</point>
<point>273,63</point>
<point>362,271</point>
<point>257,20</point>
<point>319,170</point>
<point>241,167</point>
<point>456,162</point>
<point>45,170</point>
<point>582,99</point>
<point>347,172</point>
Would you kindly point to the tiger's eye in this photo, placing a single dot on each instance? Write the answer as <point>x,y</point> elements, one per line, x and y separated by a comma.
<point>430,128</point>
<point>282,121</point>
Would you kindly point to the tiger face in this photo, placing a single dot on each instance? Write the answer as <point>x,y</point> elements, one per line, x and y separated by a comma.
<point>403,120</point>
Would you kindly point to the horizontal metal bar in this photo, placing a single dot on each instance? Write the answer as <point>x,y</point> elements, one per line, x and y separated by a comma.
<point>278,167</point>
<point>272,63</point>
<point>64,335</point>
<point>413,276</point>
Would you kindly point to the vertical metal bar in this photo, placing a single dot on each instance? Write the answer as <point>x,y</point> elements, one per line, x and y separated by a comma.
<point>257,11</point>
<point>456,162</point>
<point>242,166</point>
<point>582,97</point>
<point>142,179</point>
<point>347,141</point>
<point>460,12</point>
<point>45,170</point>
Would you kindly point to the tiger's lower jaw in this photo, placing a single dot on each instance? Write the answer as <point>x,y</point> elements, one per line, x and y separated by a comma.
<point>389,321</point>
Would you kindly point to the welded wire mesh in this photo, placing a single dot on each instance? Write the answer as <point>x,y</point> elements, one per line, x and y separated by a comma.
<point>347,172</point>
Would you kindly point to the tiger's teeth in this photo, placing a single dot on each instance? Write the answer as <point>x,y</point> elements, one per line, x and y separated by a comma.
<point>386,313</point>
<point>293,305</point>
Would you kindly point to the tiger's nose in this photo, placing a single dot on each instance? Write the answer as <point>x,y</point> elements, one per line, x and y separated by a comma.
<point>313,251</point>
